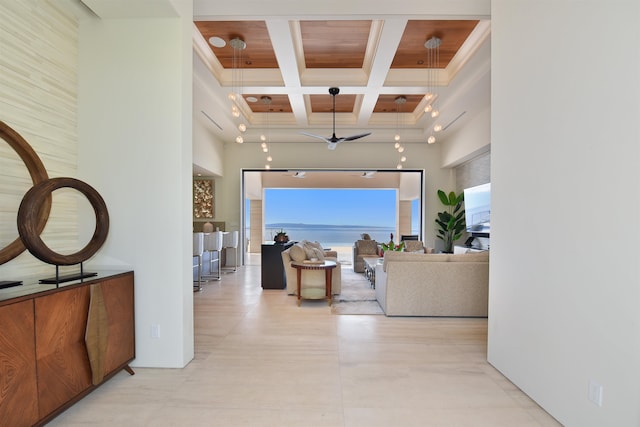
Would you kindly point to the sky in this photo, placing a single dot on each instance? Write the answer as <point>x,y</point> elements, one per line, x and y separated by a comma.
<point>331,206</point>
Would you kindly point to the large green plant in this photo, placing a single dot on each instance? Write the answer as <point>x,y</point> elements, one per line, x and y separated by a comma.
<point>451,221</point>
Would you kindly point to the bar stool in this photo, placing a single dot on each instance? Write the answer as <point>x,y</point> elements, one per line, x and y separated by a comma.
<point>213,244</point>
<point>198,250</point>
<point>230,241</point>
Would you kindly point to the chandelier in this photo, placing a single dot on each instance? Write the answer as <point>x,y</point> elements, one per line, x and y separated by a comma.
<point>432,96</point>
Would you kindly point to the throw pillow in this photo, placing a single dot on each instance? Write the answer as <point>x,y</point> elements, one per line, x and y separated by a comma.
<point>311,251</point>
<point>297,253</point>
<point>318,253</point>
<point>316,245</point>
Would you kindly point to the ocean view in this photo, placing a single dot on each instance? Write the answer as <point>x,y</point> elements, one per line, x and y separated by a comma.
<point>328,235</point>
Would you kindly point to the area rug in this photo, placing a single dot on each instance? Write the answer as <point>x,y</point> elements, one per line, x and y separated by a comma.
<point>356,296</point>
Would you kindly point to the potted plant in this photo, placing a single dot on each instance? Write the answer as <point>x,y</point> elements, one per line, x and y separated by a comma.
<point>281,237</point>
<point>392,246</point>
<point>450,222</point>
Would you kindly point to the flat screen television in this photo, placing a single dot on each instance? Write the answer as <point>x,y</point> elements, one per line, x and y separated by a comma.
<point>477,206</point>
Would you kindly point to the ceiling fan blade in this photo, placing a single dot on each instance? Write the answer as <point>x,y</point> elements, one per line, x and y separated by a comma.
<point>334,140</point>
<point>351,138</point>
<point>325,139</point>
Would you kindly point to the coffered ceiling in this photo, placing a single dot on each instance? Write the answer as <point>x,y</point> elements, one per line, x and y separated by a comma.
<point>294,62</point>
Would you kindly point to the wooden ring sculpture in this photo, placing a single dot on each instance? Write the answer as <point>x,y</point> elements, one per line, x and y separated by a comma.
<point>38,174</point>
<point>28,220</point>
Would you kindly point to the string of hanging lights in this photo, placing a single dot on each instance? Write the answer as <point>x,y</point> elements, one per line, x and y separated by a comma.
<point>400,101</point>
<point>432,96</point>
<point>238,45</point>
<point>265,138</point>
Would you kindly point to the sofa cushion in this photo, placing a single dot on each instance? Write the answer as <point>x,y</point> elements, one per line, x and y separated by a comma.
<point>367,247</point>
<point>470,257</point>
<point>413,246</point>
<point>297,253</point>
<point>391,256</point>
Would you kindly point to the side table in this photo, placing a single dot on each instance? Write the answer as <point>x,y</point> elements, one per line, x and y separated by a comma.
<point>370,269</point>
<point>327,266</point>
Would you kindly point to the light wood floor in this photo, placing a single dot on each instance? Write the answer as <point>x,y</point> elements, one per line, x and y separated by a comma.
<point>263,361</point>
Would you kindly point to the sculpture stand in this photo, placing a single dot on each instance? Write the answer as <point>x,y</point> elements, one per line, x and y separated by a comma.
<point>67,277</point>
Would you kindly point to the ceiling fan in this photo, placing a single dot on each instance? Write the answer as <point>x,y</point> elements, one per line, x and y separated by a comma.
<point>334,140</point>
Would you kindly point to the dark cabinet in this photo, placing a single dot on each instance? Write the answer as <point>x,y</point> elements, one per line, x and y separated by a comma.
<point>273,276</point>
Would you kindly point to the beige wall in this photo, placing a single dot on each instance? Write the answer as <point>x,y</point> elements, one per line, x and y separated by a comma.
<point>404,219</point>
<point>39,99</point>
<point>255,221</point>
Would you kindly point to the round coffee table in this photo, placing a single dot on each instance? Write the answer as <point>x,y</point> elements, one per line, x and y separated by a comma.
<point>327,266</point>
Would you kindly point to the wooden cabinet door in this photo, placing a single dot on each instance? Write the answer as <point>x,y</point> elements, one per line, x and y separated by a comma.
<point>118,300</point>
<point>18,389</point>
<point>61,354</point>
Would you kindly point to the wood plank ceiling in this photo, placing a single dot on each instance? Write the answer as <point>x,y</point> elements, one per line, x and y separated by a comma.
<point>341,53</point>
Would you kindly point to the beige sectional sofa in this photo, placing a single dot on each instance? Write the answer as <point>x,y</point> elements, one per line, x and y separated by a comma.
<point>415,284</point>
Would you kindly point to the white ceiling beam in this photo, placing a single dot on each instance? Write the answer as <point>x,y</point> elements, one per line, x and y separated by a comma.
<point>387,39</point>
<point>340,9</point>
<point>284,45</point>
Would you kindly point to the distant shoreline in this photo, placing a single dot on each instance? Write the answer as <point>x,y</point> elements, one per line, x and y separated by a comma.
<point>286,225</point>
<point>328,235</point>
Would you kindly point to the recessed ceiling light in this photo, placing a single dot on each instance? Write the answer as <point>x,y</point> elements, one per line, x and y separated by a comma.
<point>252,99</point>
<point>217,42</point>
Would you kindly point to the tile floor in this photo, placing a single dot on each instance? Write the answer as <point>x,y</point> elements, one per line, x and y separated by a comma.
<point>263,361</point>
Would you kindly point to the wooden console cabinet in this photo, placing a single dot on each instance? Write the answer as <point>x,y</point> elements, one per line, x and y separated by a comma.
<point>59,344</point>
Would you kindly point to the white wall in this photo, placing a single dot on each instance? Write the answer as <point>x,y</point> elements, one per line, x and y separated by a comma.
<point>564,280</point>
<point>135,146</point>
<point>208,150</point>
<point>469,140</point>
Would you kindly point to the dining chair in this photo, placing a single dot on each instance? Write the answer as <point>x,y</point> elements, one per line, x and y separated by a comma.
<point>213,245</point>
<point>198,251</point>
<point>230,241</point>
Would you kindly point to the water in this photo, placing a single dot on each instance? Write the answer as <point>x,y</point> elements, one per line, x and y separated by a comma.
<point>329,235</point>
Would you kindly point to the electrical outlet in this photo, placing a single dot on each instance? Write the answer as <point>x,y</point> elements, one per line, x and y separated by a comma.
<point>155,331</point>
<point>595,392</point>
